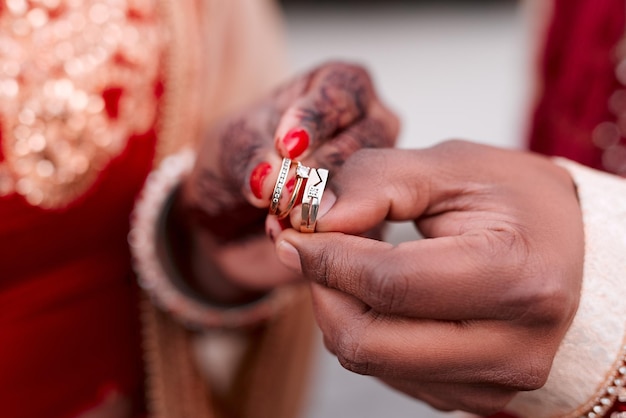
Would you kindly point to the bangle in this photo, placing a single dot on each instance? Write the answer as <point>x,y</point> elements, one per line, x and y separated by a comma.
<point>155,271</point>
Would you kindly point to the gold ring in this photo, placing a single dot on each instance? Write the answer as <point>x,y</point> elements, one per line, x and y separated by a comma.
<point>302,172</point>
<point>313,192</point>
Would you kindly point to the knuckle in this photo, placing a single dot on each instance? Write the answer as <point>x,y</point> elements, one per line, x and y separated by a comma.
<point>459,150</point>
<point>347,85</point>
<point>452,146</point>
<point>351,354</point>
<point>504,244</point>
<point>549,305</point>
<point>330,267</point>
<point>374,133</point>
<point>522,372</point>
<point>349,68</point>
<point>544,299</point>
<point>527,375</point>
<point>518,380</point>
<point>367,133</point>
<point>345,76</point>
<point>534,291</point>
<point>499,249</point>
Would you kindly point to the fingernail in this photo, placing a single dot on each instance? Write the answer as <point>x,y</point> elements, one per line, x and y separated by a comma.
<point>296,141</point>
<point>289,256</point>
<point>272,227</point>
<point>257,177</point>
<point>328,200</point>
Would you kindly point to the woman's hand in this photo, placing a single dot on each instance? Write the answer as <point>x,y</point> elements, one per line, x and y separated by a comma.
<point>473,313</point>
<point>320,118</point>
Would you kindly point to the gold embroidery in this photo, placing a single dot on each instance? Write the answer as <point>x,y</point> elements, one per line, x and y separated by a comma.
<point>77,79</point>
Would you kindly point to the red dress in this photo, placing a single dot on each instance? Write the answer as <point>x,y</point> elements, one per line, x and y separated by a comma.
<point>69,327</point>
<point>578,78</point>
<point>79,94</point>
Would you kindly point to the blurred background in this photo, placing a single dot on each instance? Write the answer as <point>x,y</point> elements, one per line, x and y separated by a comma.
<point>450,69</point>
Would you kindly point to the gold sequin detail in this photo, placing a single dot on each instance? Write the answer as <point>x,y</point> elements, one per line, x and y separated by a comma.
<point>61,61</point>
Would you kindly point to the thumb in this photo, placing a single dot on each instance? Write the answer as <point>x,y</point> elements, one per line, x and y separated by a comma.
<point>333,259</point>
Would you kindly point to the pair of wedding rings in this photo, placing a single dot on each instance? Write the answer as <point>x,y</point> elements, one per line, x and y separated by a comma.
<point>316,179</point>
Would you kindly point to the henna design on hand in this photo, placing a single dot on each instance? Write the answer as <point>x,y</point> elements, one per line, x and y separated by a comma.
<point>367,133</point>
<point>343,97</point>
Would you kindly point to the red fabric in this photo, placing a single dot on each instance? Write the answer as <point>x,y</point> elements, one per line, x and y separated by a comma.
<point>69,332</point>
<point>69,329</point>
<point>577,71</point>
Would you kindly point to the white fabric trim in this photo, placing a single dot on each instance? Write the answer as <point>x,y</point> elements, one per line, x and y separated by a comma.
<point>152,275</point>
<point>593,344</point>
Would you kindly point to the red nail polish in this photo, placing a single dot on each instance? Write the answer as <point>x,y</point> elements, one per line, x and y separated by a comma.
<point>296,142</point>
<point>257,177</point>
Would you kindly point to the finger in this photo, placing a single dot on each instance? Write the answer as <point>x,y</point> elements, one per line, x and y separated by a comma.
<point>243,157</point>
<point>262,269</point>
<point>367,133</point>
<point>272,182</point>
<point>234,166</point>
<point>470,276</point>
<point>401,185</point>
<point>366,199</point>
<point>338,95</point>
<point>261,175</point>
<point>230,214</point>
<point>373,186</point>
<point>388,347</point>
<point>370,132</point>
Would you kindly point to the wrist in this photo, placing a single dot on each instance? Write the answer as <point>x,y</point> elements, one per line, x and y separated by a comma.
<point>157,272</point>
<point>187,247</point>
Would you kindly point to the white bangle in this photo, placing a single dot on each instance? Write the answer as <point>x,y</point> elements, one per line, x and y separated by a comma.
<point>152,271</point>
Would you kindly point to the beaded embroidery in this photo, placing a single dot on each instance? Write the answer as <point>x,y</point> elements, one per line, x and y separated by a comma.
<point>614,391</point>
<point>77,79</point>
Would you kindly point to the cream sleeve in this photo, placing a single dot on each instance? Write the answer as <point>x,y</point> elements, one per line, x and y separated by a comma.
<point>587,374</point>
